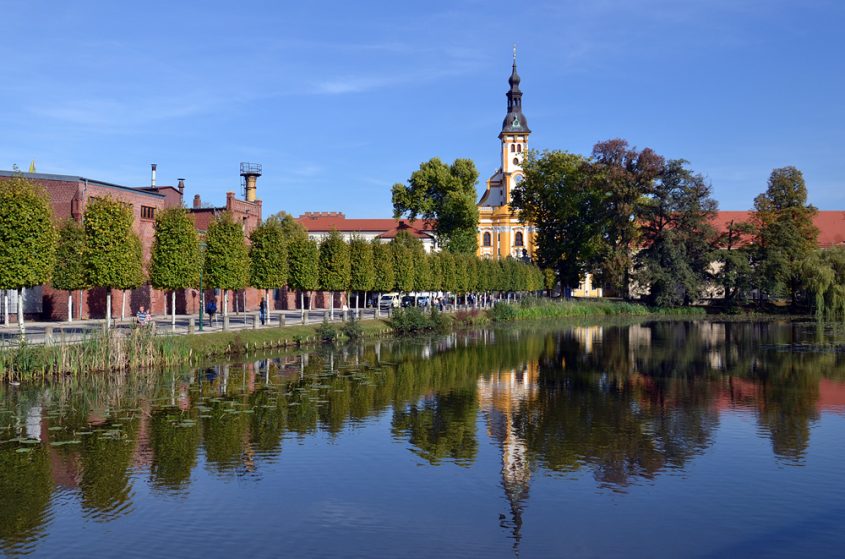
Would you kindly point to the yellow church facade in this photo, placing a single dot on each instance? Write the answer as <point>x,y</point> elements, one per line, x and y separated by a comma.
<point>500,233</point>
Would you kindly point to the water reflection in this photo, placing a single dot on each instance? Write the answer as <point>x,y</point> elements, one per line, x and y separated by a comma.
<point>620,403</point>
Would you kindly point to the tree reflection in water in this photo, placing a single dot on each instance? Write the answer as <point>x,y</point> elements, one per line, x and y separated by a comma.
<point>622,403</point>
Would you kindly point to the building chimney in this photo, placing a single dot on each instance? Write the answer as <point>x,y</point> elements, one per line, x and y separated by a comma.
<point>153,178</point>
<point>197,201</point>
<point>181,186</point>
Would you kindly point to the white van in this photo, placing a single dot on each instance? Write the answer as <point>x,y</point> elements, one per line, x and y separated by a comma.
<point>389,300</point>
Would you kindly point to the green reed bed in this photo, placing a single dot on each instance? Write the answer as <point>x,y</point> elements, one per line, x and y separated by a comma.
<point>141,349</point>
<point>534,308</point>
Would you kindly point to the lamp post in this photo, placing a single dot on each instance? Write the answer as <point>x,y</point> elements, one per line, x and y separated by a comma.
<point>202,292</point>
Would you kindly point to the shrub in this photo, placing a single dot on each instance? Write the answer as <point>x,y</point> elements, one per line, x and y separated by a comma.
<point>413,321</point>
<point>503,311</point>
<point>352,329</point>
<point>326,332</point>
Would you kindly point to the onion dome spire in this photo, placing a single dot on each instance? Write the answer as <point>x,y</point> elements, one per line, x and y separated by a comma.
<point>515,121</point>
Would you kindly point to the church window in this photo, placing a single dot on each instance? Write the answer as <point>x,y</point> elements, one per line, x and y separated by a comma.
<point>487,239</point>
<point>518,239</point>
<point>516,161</point>
<point>519,148</point>
<point>513,148</point>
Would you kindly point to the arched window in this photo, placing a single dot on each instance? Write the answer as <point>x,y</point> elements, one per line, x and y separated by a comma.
<point>519,148</point>
<point>487,239</point>
<point>513,148</point>
<point>518,239</point>
<point>516,161</point>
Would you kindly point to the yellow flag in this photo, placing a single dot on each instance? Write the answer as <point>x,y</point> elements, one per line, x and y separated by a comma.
<point>32,166</point>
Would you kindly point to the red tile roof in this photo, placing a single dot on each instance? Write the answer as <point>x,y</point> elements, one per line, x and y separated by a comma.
<point>831,224</point>
<point>404,226</point>
<point>319,222</point>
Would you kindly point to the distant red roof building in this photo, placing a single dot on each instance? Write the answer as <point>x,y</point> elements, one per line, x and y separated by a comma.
<point>830,223</point>
<point>320,224</point>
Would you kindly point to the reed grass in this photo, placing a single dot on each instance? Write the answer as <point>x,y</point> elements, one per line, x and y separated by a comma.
<point>535,308</point>
<point>141,349</point>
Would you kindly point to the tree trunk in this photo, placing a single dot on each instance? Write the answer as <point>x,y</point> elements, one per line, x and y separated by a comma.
<point>21,325</point>
<point>70,306</point>
<point>225,302</point>
<point>5,307</point>
<point>173,309</point>
<point>79,304</point>
<point>302,305</point>
<point>331,305</point>
<point>108,308</point>
<point>123,305</point>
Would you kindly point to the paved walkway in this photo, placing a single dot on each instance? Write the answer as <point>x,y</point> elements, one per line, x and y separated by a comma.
<point>39,332</point>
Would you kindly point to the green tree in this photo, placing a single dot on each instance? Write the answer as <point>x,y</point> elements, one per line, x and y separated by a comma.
<point>27,238</point>
<point>676,235</point>
<point>176,260</point>
<point>385,276</point>
<point>69,271</point>
<point>334,266</point>
<point>568,209</point>
<point>624,175</point>
<point>733,256</point>
<point>303,260</point>
<point>268,257</point>
<point>113,259</point>
<point>549,280</point>
<point>785,233</point>
<point>362,274</point>
<point>135,273</point>
<point>226,256</point>
<point>446,195</point>
<point>403,261</point>
<point>290,226</point>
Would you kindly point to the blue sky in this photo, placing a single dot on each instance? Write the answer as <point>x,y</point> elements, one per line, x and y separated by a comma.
<point>339,100</point>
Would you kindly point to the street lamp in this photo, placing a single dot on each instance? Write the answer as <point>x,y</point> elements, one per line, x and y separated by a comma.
<point>202,293</point>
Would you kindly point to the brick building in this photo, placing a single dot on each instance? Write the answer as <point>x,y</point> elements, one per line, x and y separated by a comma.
<point>69,195</point>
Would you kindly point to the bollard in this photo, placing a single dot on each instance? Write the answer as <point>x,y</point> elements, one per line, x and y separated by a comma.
<point>281,319</point>
<point>255,322</point>
<point>225,323</point>
<point>191,325</point>
<point>48,335</point>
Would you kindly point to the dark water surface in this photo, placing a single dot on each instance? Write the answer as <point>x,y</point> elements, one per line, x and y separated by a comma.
<point>659,439</point>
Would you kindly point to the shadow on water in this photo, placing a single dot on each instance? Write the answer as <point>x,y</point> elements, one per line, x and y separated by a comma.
<point>622,403</point>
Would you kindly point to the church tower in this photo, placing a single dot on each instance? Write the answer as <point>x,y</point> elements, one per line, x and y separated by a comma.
<point>500,234</point>
<point>514,134</point>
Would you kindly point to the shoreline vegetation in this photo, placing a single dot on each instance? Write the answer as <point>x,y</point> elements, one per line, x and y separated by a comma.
<point>142,349</point>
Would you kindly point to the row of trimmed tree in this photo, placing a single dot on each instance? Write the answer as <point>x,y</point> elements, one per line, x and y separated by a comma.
<point>103,251</point>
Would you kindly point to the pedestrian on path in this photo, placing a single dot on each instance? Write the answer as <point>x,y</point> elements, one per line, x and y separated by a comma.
<point>142,316</point>
<point>262,311</point>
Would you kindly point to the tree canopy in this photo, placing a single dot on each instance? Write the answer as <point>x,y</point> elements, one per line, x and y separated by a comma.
<point>303,258</point>
<point>27,234</point>
<point>362,272</point>
<point>69,271</point>
<point>176,260</point>
<point>226,254</point>
<point>385,276</point>
<point>113,257</point>
<point>676,236</point>
<point>446,195</point>
<point>558,195</point>
<point>268,256</point>
<point>334,263</point>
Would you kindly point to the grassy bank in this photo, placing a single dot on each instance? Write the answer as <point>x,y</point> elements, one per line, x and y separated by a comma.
<point>140,349</point>
<point>534,308</point>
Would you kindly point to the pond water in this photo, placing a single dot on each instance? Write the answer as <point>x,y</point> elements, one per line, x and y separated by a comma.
<point>658,439</point>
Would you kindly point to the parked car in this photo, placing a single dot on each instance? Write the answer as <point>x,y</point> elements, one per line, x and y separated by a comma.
<point>408,301</point>
<point>424,301</point>
<point>389,300</point>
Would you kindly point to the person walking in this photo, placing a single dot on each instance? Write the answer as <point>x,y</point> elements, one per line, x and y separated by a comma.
<point>142,316</point>
<point>262,311</point>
